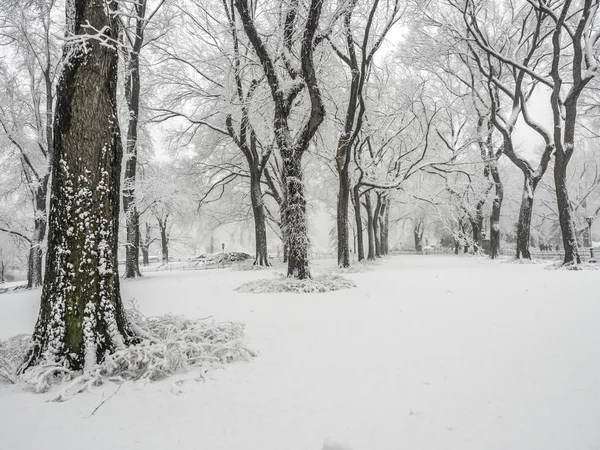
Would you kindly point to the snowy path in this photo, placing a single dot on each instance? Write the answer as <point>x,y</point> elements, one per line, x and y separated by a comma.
<point>427,353</point>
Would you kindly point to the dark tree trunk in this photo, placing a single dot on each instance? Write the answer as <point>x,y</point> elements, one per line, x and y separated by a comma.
<point>418,235</point>
<point>360,245</point>
<point>35,260</point>
<point>524,220</point>
<point>260,228</point>
<point>145,245</point>
<point>376,229</point>
<point>342,217</point>
<point>496,209</point>
<point>132,95</point>
<point>565,213</point>
<point>294,211</point>
<point>81,314</point>
<point>386,228</point>
<point>164,239</point>
<point>370,228</point>
<point>382,228</point>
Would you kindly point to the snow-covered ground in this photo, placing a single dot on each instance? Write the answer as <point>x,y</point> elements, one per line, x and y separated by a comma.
<point>428,352</point>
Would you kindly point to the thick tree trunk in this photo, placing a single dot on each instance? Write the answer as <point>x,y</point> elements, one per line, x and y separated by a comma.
<point>565,213</point>
<point>496,209</point>
<point>342,218</point>
<point>524,221</point>
<point>81,314</point>
<point>260,228</point>
<point>294,211</point>
<point>370,228</point>
<point>164,242</point>
<point>360,245</point>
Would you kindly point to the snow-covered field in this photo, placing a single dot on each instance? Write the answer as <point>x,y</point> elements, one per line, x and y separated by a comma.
<point>428,352</point>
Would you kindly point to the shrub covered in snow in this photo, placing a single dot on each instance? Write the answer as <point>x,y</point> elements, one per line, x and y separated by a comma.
<point>321,283</point>
<point>558,265</point>
<point>524,261</point>
<point>12,354</point>
<point>169,344</point>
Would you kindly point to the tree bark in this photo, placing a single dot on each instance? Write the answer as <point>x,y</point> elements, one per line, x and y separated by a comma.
<point>260,228</point>
<point>418,235</point>
<point>35,260</point>
<point>164,239</point>
<point>360,245</point>
<point>370,228</point>
<point>294,211</point>
<point>132,95</point>
<point>376,229</point>
<point>524,220</point>
<point>81,314</point>
<point>342,217</point>
<point>496,210</point>
<point>565,213</point>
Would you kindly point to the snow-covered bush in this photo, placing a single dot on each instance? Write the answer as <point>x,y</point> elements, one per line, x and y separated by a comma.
<point>558,265</point>
<point>12,354</point>
<point>321,283</point>
<point>169,344</point>
<point>524,261</point>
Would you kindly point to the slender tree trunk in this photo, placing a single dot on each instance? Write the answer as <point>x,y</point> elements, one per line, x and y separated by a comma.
<point>35,260</point>
<point>565,213</point>
<point>418,235</point>
<point>382,230</point>
<point>342,217</point>
<point>359,230</point>
<point>260,228</point>
<point>376,229</point>
<point>81,314</point>
<point>370,228</point>
<point>386,229</point>
<point>496,209</point>
<point>132,219</point>
<point>294,211</point>
<point>524,221</point>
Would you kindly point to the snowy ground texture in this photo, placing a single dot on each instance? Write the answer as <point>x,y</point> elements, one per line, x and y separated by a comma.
<point>427,352</point>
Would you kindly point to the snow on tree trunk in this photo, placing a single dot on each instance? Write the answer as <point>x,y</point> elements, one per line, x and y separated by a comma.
<point>260,228</point>
<point>360,245</point>
<point>294,210</point>
<point>370,228</point>
<point>35,260</point>
<point>565,212</point>
<point>342,218</point>
<point>81,315</point>
<point>524,220</point>
<point>496,210</point>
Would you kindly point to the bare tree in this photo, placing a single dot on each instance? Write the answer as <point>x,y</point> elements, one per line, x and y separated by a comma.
<point>292,146</point>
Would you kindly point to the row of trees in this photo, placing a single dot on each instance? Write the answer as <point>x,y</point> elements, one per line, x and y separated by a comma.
<point>380,91</point>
